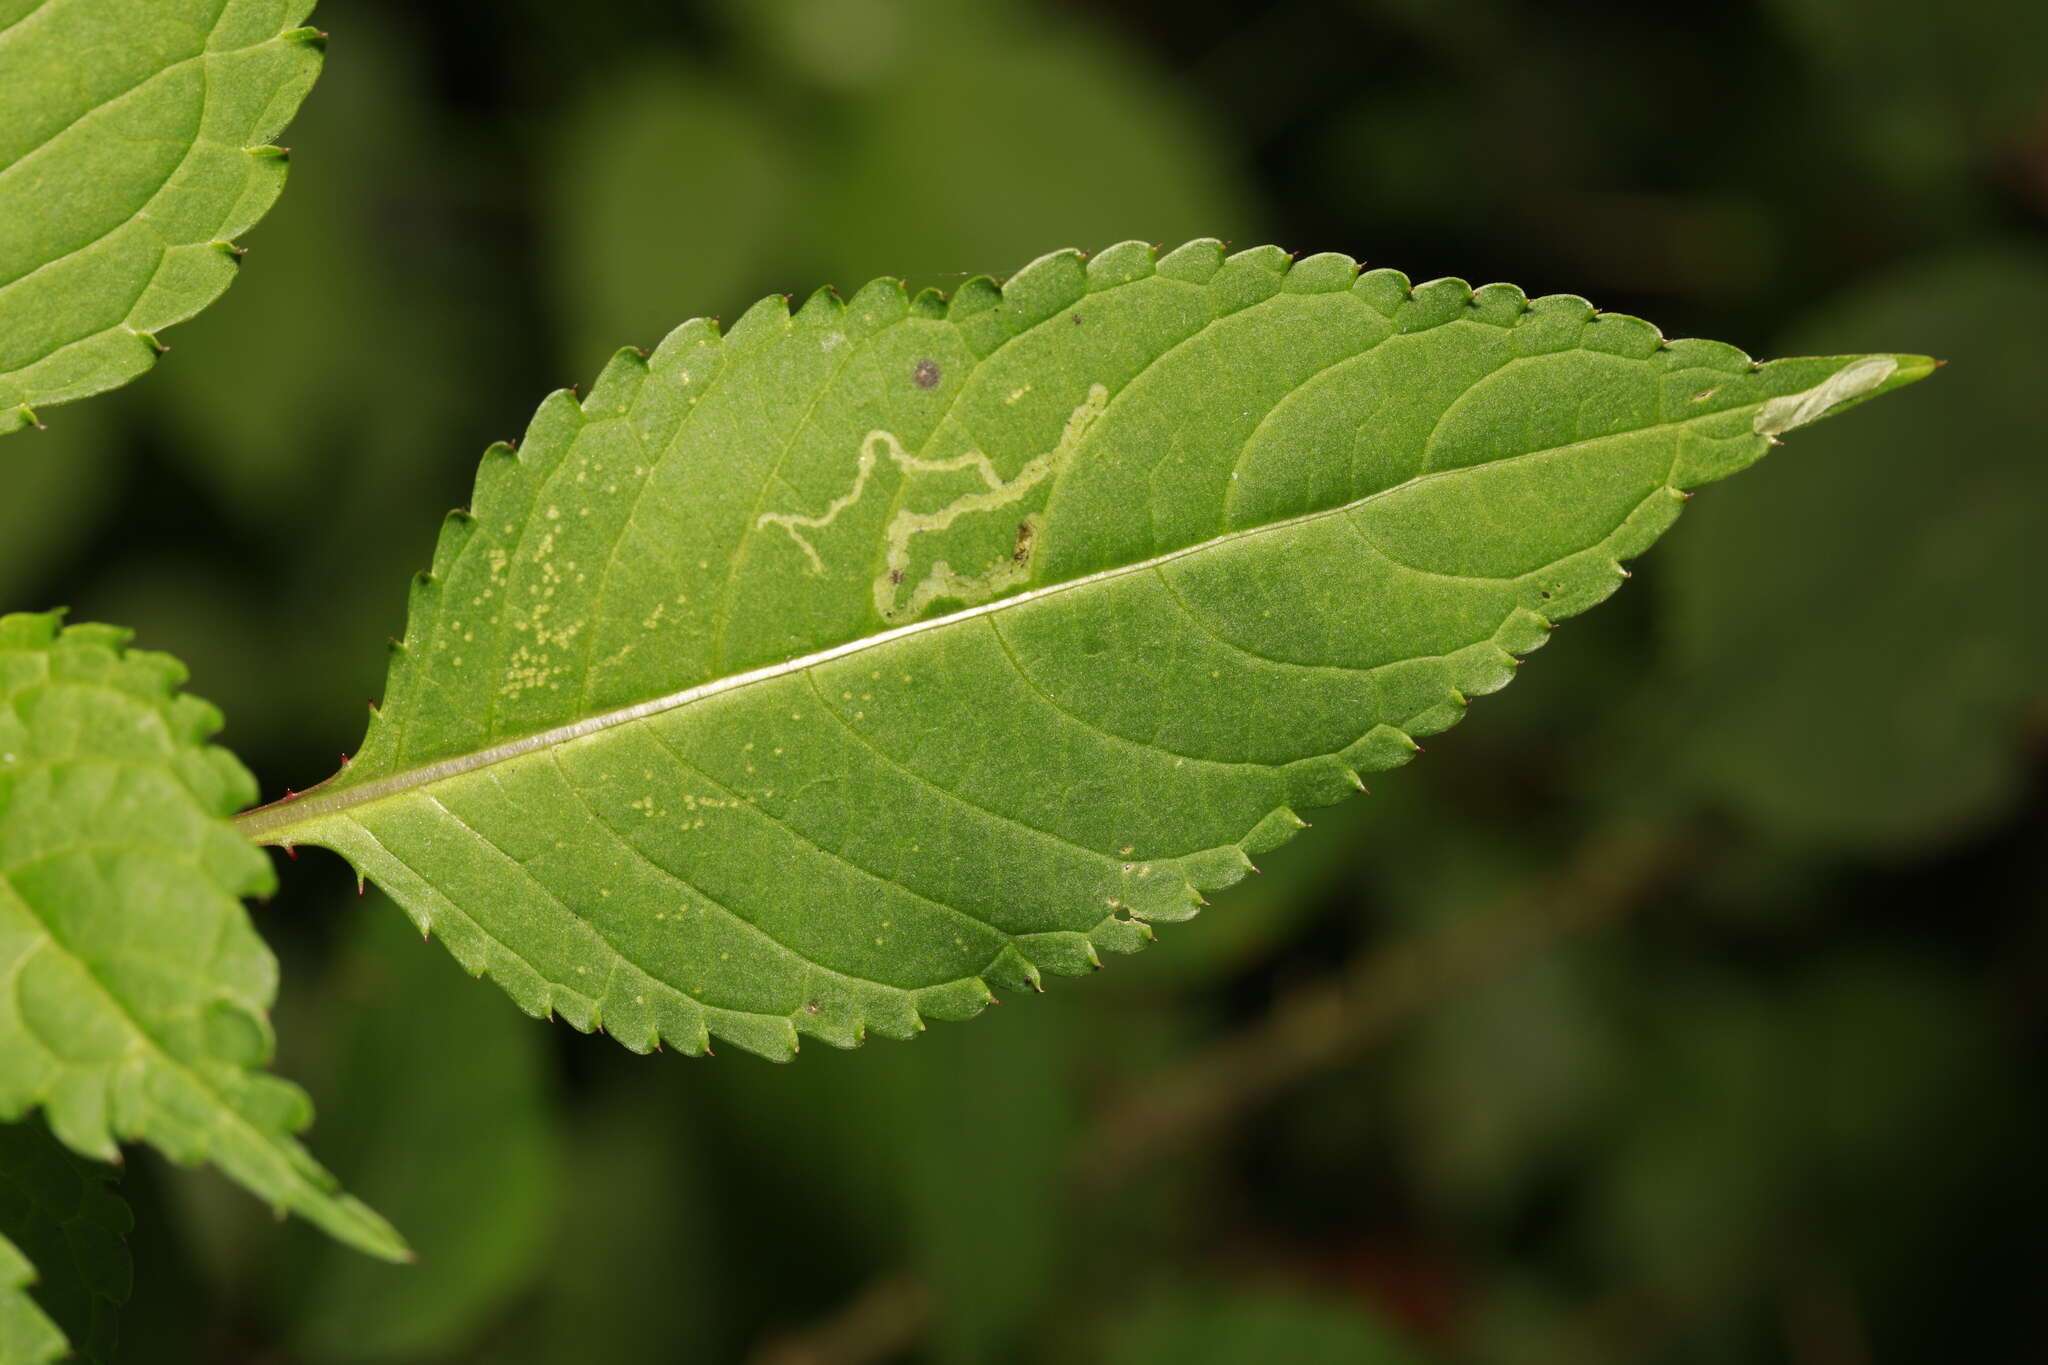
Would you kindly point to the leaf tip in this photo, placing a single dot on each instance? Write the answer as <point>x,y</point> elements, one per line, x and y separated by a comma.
<point>1913,368</point>
<point>1863,377</point>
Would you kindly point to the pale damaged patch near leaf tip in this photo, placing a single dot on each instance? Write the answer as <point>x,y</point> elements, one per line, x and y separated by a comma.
<point>1852,381</point>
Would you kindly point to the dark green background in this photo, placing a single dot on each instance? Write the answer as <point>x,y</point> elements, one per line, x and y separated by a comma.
<point>1703,972</point>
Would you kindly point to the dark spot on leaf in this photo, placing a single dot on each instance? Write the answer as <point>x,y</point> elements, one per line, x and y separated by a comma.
<point>926,375</point>
<point>1023,550</point>
<point>1077,319</point>
<point>810,1007</point>
<point>896,576</point>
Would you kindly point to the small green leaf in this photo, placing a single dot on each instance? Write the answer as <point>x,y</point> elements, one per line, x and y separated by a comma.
<point>27,1336</point>
<point>827,676</point>
<point>133,151</point>
<point>62,1213</point>
<point>139,991</point>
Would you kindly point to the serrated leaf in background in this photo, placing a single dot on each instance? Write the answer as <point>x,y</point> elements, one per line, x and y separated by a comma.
<point>1853,639</point>
<point>138,1009</point>
<point>264,467</point>
<point>27,1336</point>
<point>133,152</point>
<point>687,745</point>
<point>62,1221</point>
<point>1391,125</point>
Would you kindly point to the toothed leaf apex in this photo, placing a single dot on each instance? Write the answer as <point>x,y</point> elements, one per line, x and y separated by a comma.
<point>871,658</point>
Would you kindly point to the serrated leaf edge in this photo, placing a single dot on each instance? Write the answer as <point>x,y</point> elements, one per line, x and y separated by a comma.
<point>123,352</point>
<point>1040,292</point>
<point>192,720</point>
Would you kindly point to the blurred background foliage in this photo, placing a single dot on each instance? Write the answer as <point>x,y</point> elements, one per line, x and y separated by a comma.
<point>1687,1005</point>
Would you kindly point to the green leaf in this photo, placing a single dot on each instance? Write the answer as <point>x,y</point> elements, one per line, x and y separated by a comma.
<point>66,1215</point>
<point>138,988</point>
<point>27,1336</point>
<point>133,151</point>
<point>821,678</point>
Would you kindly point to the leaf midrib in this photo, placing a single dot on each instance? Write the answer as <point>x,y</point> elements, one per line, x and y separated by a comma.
<point>271,823</point>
